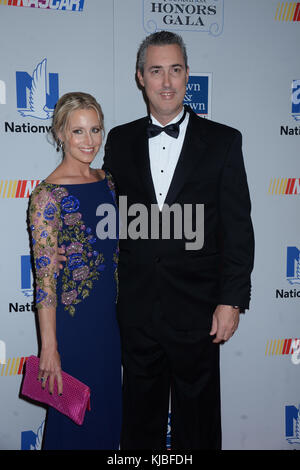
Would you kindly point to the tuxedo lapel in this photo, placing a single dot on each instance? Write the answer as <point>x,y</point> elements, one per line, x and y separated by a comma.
<point>192,150</point>
<point>142,163</point>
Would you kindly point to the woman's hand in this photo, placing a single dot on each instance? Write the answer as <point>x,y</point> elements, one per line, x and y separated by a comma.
<point>50,368</point>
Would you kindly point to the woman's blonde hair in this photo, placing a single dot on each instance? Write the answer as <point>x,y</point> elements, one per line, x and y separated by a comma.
<point>71,102</point>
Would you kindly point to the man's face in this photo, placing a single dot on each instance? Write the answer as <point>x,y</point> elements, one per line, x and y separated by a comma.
<point>164,79</point>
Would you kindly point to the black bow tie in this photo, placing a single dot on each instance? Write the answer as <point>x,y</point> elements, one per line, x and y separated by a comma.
<point>171,129</point>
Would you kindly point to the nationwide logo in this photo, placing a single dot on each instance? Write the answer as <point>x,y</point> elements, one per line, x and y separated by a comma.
<point>180,15</point>
<point>292,274</point>
<point>16,189</point>
<point>168,442</point>
<point>292,424</point>
<point>295,111</point>
<point>282,347</point>
<point>296,100</point>
<point>69,5</point>
<point>198,94</point>
<point>288,11</point>
<point>2,92</point>
<point>26,285</point>
<point>284,186</point>
<point>293,265</point>
<point>37,94</point>
<point>31,440</point>
<point>287,130</point>
<point>13,366</point>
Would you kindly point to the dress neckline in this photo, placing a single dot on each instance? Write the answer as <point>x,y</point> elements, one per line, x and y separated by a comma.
<point>74,184</point>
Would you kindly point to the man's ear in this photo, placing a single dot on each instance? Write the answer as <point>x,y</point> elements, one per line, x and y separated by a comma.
<point>187,75</point>
<point>140,78</point>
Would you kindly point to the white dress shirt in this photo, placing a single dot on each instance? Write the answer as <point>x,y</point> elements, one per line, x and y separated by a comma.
<point>164,152</point>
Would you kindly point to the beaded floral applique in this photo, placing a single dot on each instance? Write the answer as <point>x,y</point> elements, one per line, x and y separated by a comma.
<point>45,224</point>
<point>112,189</point>
<point>84,264</point>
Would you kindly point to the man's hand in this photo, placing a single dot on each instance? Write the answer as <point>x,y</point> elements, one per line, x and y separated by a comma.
<point>61,257</point>
<point>225,322</point>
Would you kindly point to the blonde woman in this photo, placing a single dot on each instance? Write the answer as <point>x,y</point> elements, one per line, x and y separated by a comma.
<point>76,306</point>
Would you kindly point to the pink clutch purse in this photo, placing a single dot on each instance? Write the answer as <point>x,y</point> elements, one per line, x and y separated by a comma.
<point>73,402</point>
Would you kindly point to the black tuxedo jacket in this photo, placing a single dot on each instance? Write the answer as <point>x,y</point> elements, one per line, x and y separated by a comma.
<point>188,283</point>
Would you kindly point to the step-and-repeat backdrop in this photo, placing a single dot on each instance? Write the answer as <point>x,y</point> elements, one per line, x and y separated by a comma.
<point>245,72</point>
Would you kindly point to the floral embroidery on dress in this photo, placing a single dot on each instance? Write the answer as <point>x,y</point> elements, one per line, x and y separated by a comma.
<point>56,221</point>
<point>44,224</point>
<point>112,188</point>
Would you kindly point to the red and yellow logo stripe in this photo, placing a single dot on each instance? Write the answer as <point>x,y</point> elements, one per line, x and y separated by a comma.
<point>17,188</point>
<point>282,347</point>
<point>13,366</point>
<point>288,11</point>
<point>284,186</point>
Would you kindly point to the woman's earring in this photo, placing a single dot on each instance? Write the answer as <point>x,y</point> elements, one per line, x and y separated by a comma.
<point>59,145</point>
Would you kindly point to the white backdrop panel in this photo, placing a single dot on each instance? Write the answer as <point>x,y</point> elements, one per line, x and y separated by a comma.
<point>252,62</point>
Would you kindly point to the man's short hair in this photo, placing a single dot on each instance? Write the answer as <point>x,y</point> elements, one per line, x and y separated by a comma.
<point>160,38</point>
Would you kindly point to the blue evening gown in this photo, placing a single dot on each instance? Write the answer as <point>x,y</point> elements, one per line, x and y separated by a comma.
<point>87,330</point>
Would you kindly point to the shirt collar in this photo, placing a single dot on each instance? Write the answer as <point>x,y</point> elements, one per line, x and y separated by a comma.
<point>176,118</point>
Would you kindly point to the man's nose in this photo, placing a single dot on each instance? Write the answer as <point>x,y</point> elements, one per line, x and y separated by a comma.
<point>166,79</point>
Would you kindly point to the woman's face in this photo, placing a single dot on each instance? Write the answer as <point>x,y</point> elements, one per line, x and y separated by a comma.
<point>82,136</point>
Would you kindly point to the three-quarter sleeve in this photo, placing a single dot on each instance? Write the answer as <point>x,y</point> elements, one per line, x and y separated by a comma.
<point>44,219</point>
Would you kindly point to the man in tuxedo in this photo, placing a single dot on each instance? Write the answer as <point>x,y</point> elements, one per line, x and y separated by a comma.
<point>176,305</point>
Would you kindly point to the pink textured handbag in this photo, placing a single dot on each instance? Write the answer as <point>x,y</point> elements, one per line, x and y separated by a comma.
<point>73,402</point>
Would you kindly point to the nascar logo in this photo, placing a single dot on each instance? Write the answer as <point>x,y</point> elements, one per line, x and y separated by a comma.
<point>284,186</point>
<point>288,11</point>
<point>13,366</point>
<point>71,5</point>
<point>282,347</point>
<point>17,188</point>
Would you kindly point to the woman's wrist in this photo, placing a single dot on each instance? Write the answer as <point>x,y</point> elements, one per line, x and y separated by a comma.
<point>49,344</point>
